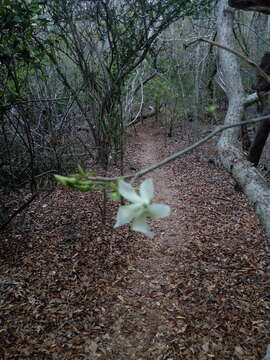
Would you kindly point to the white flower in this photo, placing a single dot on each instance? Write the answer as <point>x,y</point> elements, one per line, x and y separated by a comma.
<point>140,207</point>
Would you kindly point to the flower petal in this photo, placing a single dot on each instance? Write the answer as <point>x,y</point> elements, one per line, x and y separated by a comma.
<point>147,190</point>
<point>126,214</point>
<point>127,191</point>
<point>159,210</point>
<point>140,224</point>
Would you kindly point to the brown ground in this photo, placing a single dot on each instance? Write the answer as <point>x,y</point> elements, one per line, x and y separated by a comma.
<point>73,288</point>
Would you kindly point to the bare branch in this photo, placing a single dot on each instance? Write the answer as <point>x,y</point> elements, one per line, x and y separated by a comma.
<point>180,153</point>
<point>244,58</point>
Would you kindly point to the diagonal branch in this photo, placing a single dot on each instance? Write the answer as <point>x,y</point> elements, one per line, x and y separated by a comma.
<point>232,51</point>
<point>179,153</point>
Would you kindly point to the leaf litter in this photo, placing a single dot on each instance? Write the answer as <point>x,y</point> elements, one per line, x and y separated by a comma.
<point>74,288</point>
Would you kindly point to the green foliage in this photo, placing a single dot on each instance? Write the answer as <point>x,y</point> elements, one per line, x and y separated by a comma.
<point>210,109</point>
<point>81,182</point>
<point>102,42</point>
<point>158,91</point>
<point>20,21</point>
<point>133,26</point>
<point>107,41</point>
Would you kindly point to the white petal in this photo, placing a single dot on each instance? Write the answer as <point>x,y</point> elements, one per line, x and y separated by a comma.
<point>127,191</point>
<point>140,224</point>
<point>159,210</point>
<point>125,214</point>
<point>147,190</point>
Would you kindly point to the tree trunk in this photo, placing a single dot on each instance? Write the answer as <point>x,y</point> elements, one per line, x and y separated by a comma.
<point>251,5</point>
<point>256,149</point>
<point>200,63</point>
<point>197,111</point>
<point>232,157</point>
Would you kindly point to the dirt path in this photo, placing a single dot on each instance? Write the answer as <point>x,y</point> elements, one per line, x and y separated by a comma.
<point>73,288</point>
<point>156,315</point>
<point>145,312</point>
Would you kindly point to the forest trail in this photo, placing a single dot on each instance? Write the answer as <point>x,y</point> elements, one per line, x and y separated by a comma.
<point>73,288</point>
<point>144,307</point>
<point>156,312</point>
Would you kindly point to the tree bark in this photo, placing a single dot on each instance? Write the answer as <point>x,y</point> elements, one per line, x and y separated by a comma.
<point>141,117</point>
<point>251,5</point>
<point>256,149</point>
<point>198,90</point>
<point>230,152</point>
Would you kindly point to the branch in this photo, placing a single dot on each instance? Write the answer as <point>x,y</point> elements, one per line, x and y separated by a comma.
<point>179,153</point>
<point>252,98</point>
<point>32,101</point>
<point>145,82</point>
<point>247,60</point>
<point>142,117</point>
<point>25,205</point>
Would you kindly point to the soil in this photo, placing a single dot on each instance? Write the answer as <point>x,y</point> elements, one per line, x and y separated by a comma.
<point>74,288</point>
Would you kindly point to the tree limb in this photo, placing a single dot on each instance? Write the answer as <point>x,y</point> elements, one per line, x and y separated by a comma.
<point>25,205</point>
<point>179,153</point>
<point>244,58</point>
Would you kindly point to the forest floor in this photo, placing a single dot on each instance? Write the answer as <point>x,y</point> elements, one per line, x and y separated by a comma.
<point>74,288</point>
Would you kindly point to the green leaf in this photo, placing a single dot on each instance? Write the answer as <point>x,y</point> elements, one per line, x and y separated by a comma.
<point>65,180</point>
<point>210,109</point>
<point>61,179</point>
<point>82,187</point>
<point>81,171</point>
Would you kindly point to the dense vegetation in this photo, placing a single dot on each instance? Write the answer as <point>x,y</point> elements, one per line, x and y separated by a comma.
<point>107,88</point>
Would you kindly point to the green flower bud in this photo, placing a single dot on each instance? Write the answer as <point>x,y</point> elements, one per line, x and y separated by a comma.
<point>61,179</point>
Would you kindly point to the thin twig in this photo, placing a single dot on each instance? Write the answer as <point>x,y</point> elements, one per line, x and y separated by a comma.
<point>246,59</point>
<point>32,101</point>
<point>18,211</point>
<point>181,152</point>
